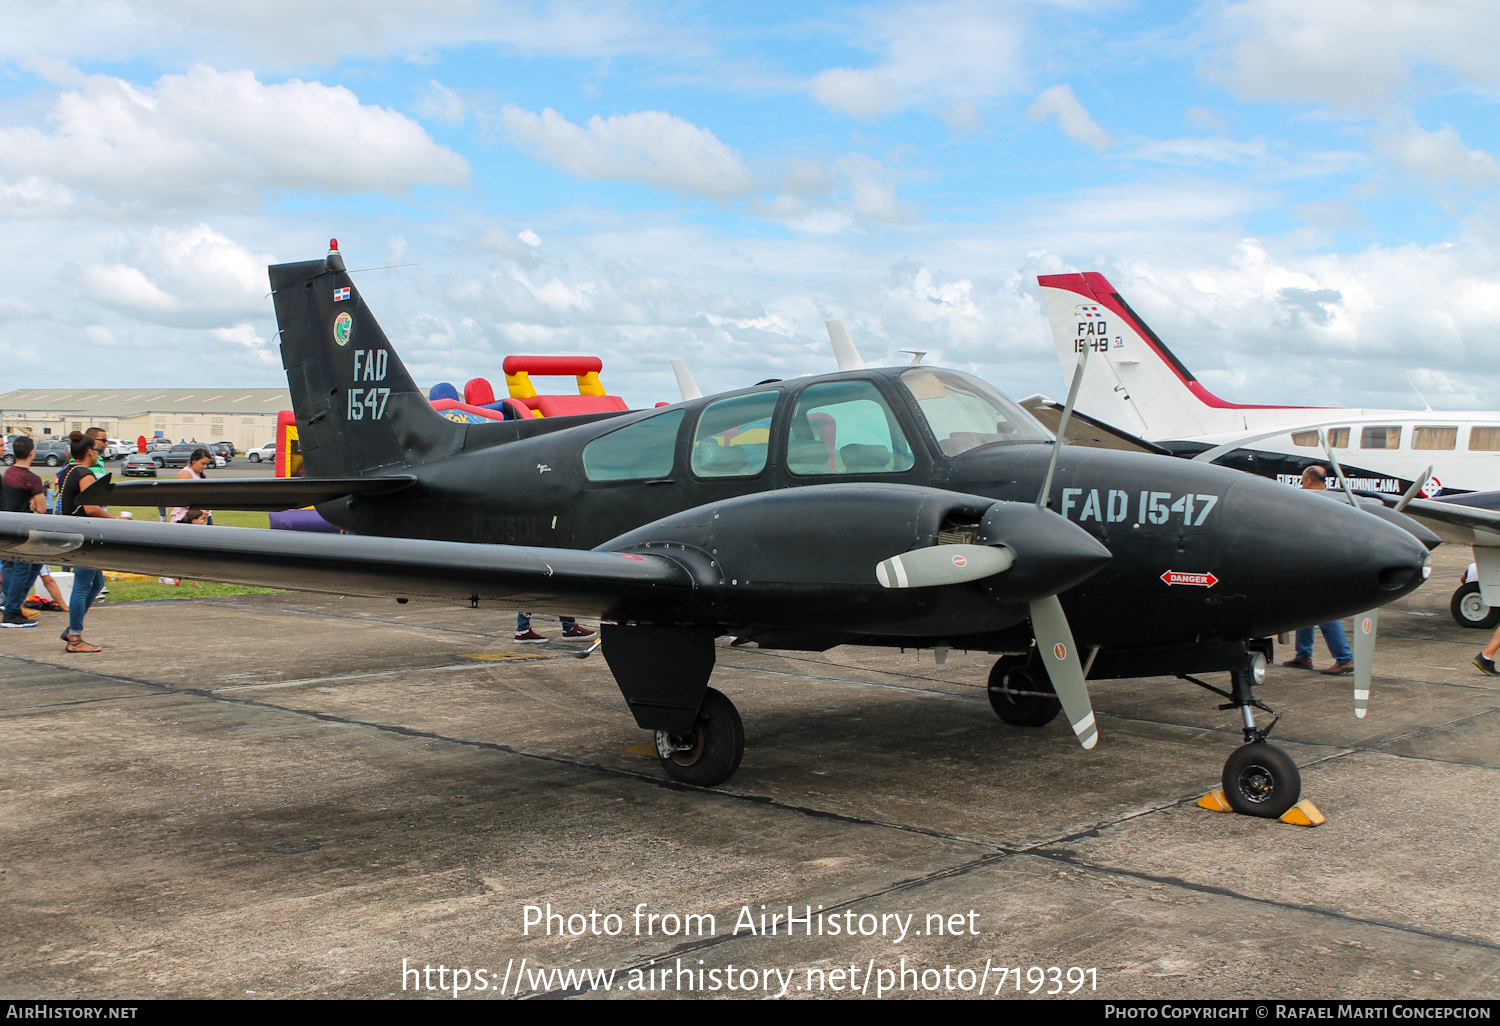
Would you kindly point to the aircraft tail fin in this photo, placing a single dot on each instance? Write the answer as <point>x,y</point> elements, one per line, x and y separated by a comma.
<point>1139,384</point>
<point>357,408</point>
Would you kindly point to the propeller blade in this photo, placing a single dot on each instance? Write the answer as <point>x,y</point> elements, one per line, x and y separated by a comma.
<point>844,353</point>
<point>943,564</point>
<point>1415,489</point>
<point>1045,498</point>
<point>1060,656</point>
<point>1365,627</point>
<point>686,386</point>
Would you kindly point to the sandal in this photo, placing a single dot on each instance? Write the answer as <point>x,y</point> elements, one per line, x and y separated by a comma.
<point>79,645</point>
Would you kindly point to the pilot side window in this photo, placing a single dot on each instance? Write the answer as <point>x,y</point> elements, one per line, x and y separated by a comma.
<point>1380,438</point>
<point>845,427</point>
<point>644,449</point>
<point>1306,439</point>
<point>733,436</point>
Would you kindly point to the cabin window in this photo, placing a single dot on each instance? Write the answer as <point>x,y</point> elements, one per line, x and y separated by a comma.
<point>1382,437</point>
<point>1434,437</point>
<point>641,450</point>
<point>734,435</point>
<point>845,427</point>
<point>1306,439</point>
<point>1338,438</point>
<point>1484,439</point>
<point>965,413</point>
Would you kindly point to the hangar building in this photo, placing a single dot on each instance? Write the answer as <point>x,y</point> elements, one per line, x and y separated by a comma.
<point>244,416</point>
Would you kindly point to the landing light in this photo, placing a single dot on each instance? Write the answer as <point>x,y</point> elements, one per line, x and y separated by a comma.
<point>1258,667</point>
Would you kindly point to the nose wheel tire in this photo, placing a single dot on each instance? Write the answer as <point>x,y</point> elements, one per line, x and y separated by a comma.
<point>1010,678</point>
<point>712,752</point>
<point>1261,780</point>
<point>1469,610</point>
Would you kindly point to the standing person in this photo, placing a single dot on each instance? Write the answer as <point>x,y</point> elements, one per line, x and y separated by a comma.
<point>197,465</point>
<point>21,491</point>
<point>1314,479</point>
<point>86,583</point>
<point>571,631</point>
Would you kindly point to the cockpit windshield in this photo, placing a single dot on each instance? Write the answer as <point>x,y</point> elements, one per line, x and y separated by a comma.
<point>965,413</point>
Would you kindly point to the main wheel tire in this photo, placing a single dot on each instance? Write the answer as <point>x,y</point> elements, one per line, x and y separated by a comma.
<point>1469,610</point>
<point>718,744</point>
<point>1016,673</point>
<point>1261,780</point>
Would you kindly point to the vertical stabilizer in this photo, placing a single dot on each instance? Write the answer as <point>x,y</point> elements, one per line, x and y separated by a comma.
<point>1138,385</point>
<point>357,408</point>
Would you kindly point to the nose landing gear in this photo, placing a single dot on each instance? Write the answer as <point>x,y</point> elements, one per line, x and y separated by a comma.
<point>1259,779</point>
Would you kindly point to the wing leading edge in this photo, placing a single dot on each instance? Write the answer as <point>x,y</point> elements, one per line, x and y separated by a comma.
<point>567,581</point>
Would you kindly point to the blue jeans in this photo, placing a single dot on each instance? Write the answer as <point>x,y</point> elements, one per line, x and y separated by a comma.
<point>523,622</point>
<point>19,577</point>
<point>1333,633</point>
<point>87,584</point>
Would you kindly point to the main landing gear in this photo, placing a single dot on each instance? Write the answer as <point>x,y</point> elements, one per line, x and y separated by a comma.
<point>663,673</point>
<point>1259,779</point>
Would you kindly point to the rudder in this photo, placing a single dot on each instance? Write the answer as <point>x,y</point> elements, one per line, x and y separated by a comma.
<point>357,407</point>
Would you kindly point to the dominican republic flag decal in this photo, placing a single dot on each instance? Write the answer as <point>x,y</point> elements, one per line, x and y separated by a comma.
<point>339,295</point>
<point>1088,310</point>
<point>1197,580</point>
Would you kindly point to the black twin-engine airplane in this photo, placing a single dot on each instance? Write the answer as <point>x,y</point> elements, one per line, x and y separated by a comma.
<point>901,507</point>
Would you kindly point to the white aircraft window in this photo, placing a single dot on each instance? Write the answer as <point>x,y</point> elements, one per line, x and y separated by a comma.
<point>1338,438</point>
<point>845,427</point>
<point>1382,437</point>
<point>733,436</point>
<point>641,450</point>
<point>1434,437</point>
<point>1306,439</point>
<point>965,413</point>
<point>1484,439</point>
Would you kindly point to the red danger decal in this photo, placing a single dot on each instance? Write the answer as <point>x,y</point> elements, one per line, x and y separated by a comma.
<point>960,561</point>
<point>638,559</point>
<point>1059,651</point>
<point>1196,580</point>
<point>1366,625</point>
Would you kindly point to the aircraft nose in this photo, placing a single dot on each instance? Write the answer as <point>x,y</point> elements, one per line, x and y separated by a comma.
<point>1324,560</point>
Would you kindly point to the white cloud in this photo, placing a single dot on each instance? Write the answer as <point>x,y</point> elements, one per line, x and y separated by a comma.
<point>934,53</point>
<point>648,147</point>
<point>194,277</point>
<point>859,94</point>
<point>14,308</point>
<point>217,137</point>
<point>1440,158</point>
<point>1075,122</point>
<point>438,102</point>
<point>296,34</point>
<point>1352,54</point>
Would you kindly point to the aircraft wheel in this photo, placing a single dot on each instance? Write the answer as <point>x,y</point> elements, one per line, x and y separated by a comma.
<point>1261,780</point>
<point>1011,673</point>
<point>717,744</point>
<point>1469,610</point>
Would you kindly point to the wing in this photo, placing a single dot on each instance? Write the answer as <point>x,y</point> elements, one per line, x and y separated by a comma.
<point>251,493</point>
<point>1462,519</point>
<point>567,581</point>
<point>1086,430</point>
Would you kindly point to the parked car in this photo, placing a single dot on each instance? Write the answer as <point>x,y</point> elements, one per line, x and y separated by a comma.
<point>223,450</point>
<point>138,464</point>
<point>117,448</point>
<point>181,454</point>
<point>49,452</point>
<point>265,452</point>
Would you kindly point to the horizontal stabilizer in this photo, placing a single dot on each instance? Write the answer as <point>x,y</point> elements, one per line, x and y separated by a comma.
<point>1086,430</point>
<point>270,495</point>
<point>565,581</point>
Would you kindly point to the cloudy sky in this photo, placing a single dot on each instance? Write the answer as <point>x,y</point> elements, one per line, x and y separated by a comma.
<point>1300,197</point>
